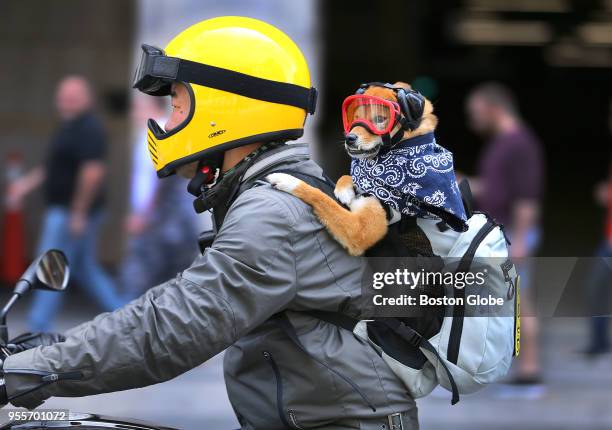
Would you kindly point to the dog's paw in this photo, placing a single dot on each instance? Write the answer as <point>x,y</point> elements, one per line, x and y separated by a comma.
<point>283,182</point>
<point>345,195</point>
<point>344,191</point>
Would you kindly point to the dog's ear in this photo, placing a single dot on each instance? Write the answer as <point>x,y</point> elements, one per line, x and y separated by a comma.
<point>403,85</point>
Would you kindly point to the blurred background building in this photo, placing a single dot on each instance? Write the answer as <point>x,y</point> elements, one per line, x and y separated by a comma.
<point>555,55</point>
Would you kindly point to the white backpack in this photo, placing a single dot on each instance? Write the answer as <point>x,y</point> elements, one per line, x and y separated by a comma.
<point>468,352</point>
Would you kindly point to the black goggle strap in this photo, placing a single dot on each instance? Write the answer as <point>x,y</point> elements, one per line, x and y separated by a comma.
<point>403,122</point>
<point>409,125</point>
<point>176,69</point>
<point>387,85</point>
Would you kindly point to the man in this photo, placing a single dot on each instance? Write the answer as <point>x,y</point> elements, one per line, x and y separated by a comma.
<point>509,187</point>
<point>599,281</point>
<point>240,88</point>
<point>73,179</point>
<point>162,223</point>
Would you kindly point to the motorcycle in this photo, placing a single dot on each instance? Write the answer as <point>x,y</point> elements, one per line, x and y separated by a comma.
<point>51,272</point>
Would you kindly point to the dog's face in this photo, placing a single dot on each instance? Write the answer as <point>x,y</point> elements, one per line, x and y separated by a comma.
<point>360,142</point>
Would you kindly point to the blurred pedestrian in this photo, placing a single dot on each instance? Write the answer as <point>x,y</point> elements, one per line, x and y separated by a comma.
<point>509,187</point>
<point>73,181</point>
<point>162,223</point>
<point>600,282</point>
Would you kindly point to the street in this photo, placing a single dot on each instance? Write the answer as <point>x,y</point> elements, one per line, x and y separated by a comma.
<point>578,393</point>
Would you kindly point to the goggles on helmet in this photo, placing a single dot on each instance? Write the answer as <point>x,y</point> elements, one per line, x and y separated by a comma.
<point>376,114</point>
<point>153,74</point>
<point>157,71</point>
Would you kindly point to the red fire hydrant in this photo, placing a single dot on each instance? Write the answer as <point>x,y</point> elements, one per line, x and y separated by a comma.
<point>13,260</point>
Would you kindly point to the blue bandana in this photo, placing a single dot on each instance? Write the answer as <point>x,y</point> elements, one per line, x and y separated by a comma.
<point>415,177</point>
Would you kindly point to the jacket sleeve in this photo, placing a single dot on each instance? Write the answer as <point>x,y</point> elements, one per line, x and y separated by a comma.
<point>244,278</point>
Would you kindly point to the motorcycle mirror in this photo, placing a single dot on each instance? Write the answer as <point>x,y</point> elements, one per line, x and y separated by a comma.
<point>50,271</point>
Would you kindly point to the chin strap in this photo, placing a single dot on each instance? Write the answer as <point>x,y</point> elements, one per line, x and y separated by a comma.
<point>201,184</point>
<point>390,141</point>
<point>207,175</point>
<point>213,188</point>
<point>194,187</point>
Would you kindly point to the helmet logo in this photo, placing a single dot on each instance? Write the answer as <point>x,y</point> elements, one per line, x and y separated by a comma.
<point>216,133</point>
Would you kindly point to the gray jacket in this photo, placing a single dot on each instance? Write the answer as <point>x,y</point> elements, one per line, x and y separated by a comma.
<point>270,255</point>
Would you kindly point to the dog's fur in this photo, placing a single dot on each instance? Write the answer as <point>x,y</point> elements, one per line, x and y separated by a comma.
<point>365,223</point>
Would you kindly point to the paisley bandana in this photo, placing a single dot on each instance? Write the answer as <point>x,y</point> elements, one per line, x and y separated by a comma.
<point>415,177</point>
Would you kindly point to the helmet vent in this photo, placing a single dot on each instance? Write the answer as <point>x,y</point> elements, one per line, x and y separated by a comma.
<point>152,148</point>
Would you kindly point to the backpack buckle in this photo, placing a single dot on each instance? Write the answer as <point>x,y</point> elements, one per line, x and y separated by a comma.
<point>396,422</point>
<point>410,335</point>
<point>415,339</point>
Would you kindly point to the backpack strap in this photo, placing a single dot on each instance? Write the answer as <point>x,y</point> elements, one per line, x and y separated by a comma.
<point>335,318</point>
<point>466,197</point>
<point>455,223</point>
<point>454,339</point>
<point>413,338</point>
<point>324,184</point>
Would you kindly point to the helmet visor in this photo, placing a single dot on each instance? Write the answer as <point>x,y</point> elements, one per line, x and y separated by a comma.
<point>374,113</point>
<point>155,72</point>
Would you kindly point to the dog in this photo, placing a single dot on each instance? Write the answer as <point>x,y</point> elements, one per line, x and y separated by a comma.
<point>365,222</point>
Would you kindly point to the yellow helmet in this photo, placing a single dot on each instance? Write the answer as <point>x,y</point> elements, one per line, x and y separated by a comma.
<point>248,83</point>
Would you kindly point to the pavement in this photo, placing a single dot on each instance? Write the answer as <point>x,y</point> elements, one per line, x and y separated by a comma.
<point>577,394</point>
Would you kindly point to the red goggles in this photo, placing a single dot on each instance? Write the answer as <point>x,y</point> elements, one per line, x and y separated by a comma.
<point>376,114</point>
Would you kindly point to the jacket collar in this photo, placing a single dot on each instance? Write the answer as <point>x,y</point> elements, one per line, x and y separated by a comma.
<point>286,154</point>
<point>256,167</point>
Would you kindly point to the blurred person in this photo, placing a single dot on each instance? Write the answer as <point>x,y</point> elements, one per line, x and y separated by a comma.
<point>270,263</point>
<point>162,223</point>
<point>600,282</point>
<point>509,187</point>
<point>73,180</point>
